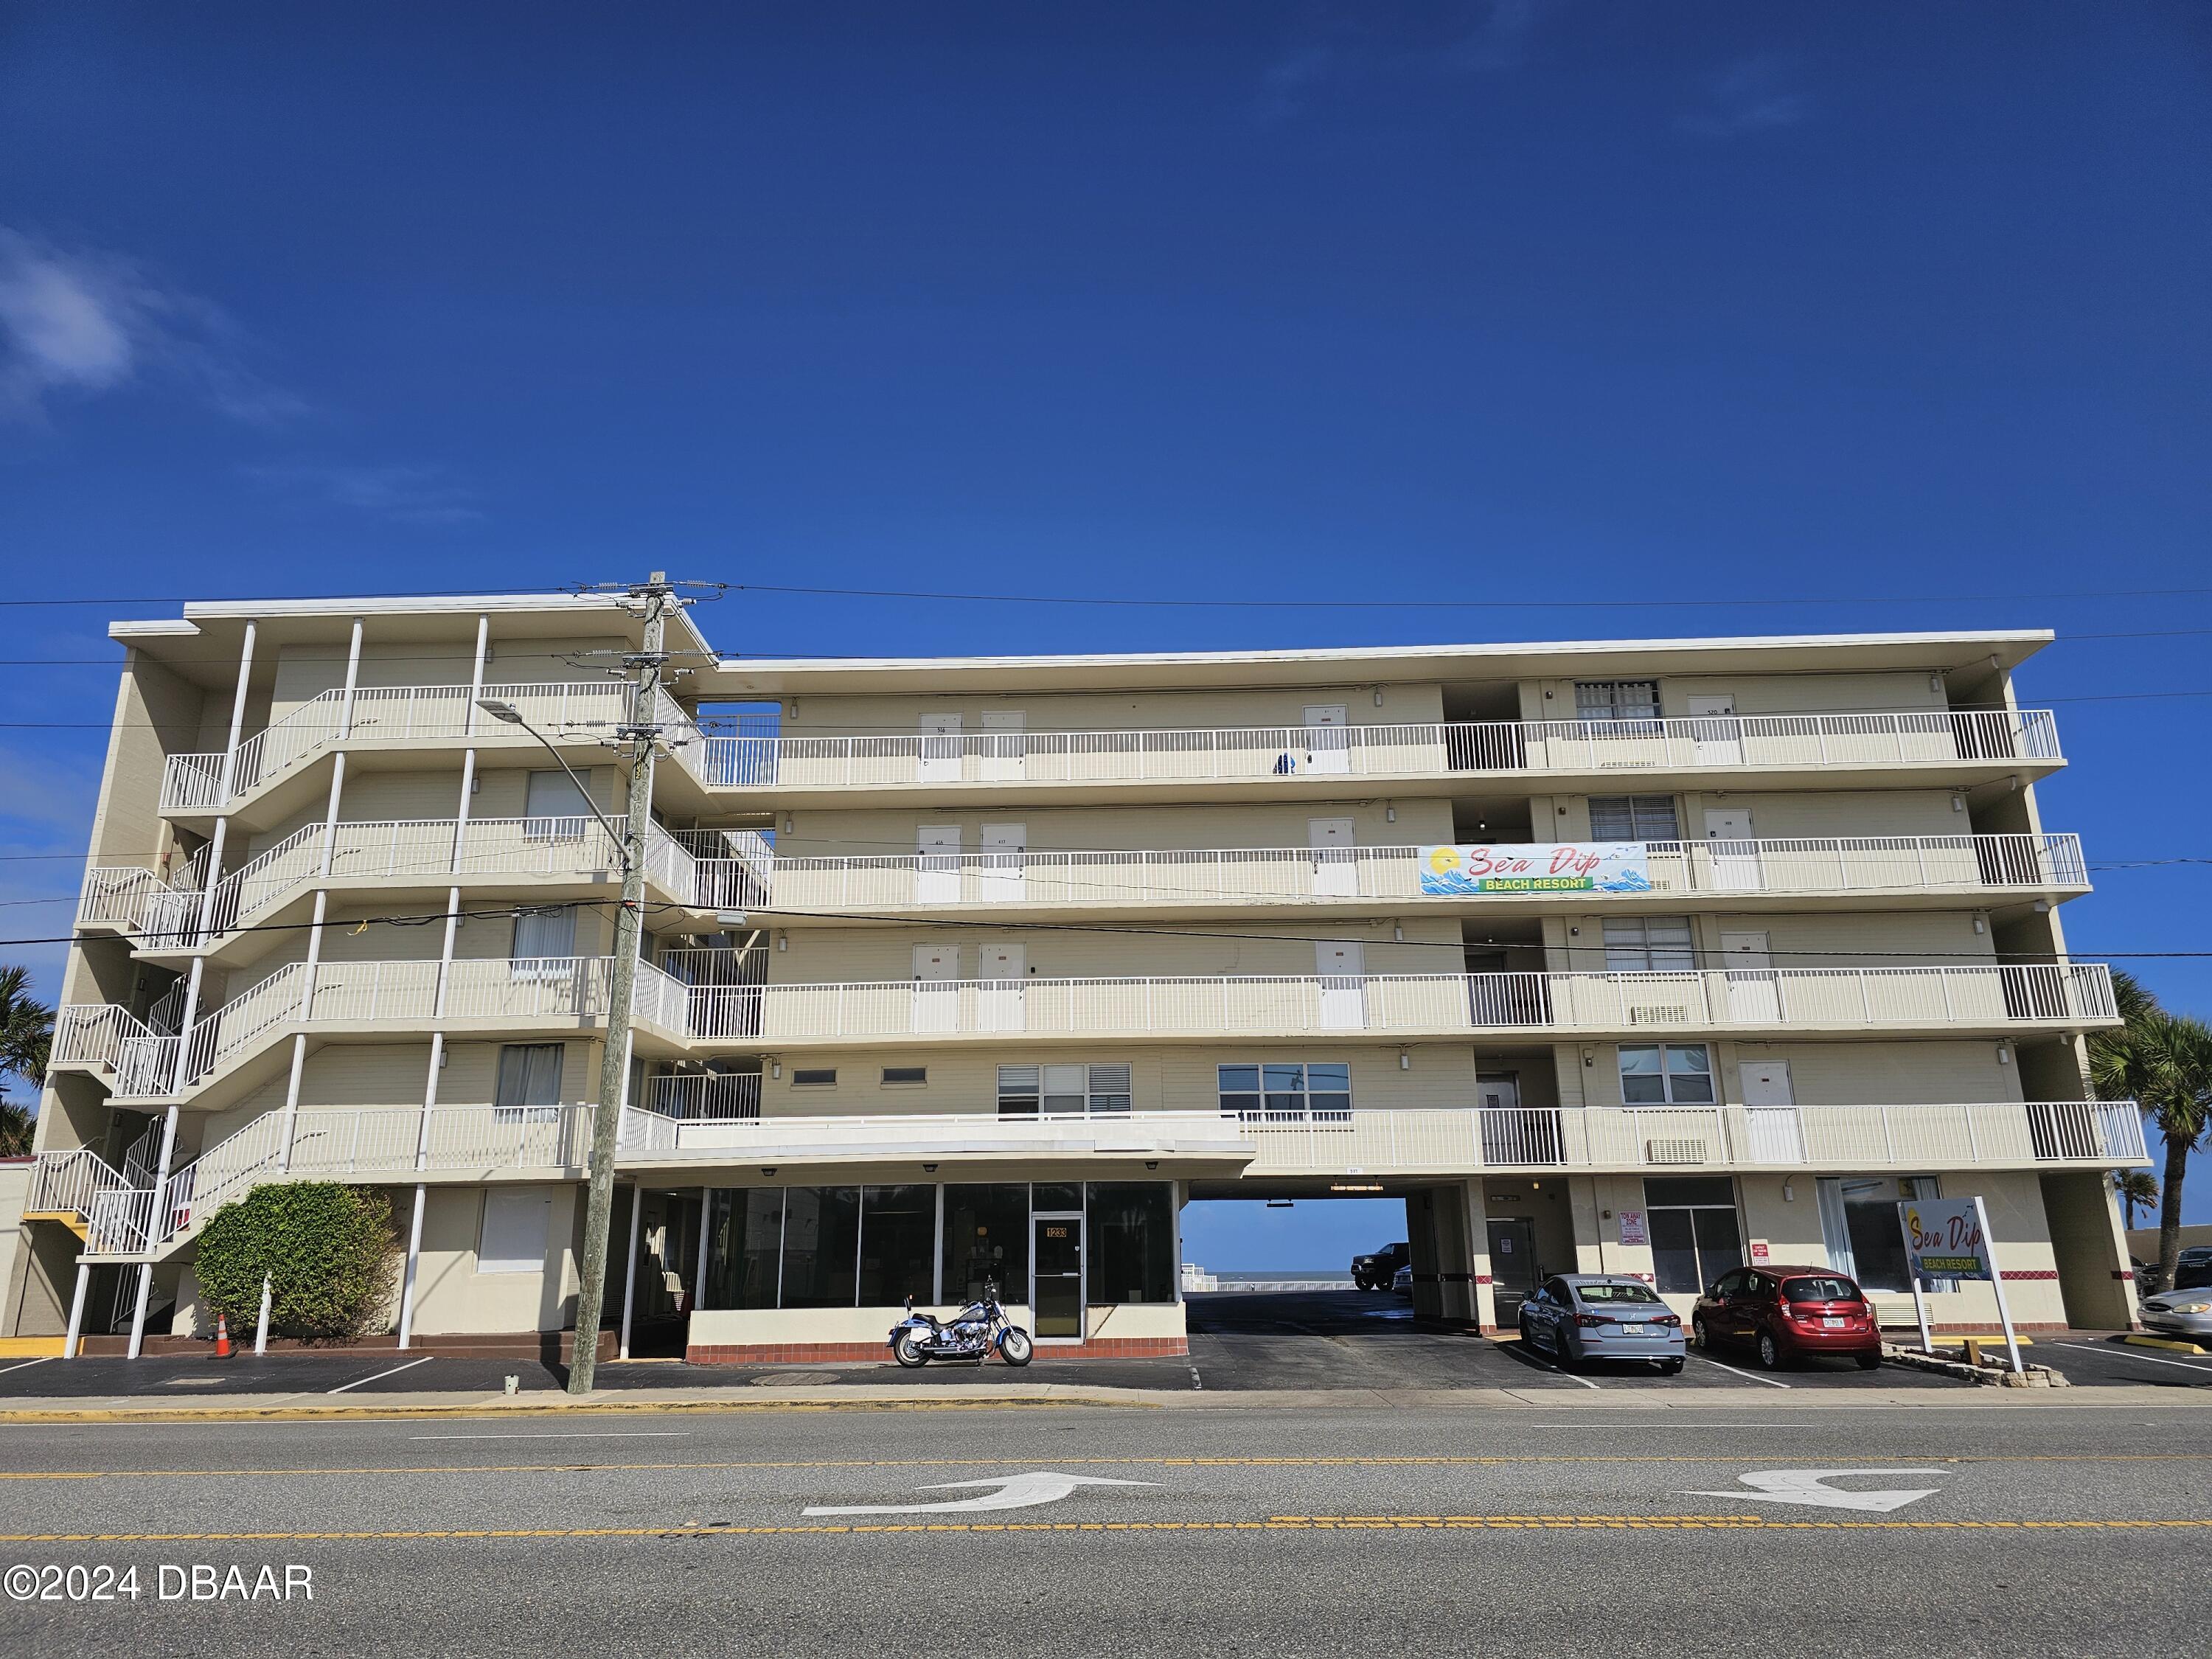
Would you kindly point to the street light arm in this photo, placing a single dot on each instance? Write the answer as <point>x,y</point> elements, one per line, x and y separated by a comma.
<point>512,716</point>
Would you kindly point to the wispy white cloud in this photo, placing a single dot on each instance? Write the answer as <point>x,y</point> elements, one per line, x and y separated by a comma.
<point>1754,95</point>
<point>1475,37</point>
<point>406,495</point>
<point>76,323</point>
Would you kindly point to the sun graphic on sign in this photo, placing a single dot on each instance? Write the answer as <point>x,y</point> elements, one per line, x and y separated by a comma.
<point>1444,859</point>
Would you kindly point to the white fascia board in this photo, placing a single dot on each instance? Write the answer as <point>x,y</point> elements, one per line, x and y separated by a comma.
<point>1411,660</point>
<point>154,628</point>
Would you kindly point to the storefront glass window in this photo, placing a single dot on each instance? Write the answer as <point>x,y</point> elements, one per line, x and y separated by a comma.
<point>898,1242</point>
<point>987,1236</point>
<point>1131,1241</point>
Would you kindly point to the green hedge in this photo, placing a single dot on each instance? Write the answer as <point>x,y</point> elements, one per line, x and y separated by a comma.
<point>328,1251</point>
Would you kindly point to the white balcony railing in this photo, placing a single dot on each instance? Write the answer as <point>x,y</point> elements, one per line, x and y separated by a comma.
<point>569,710</point>
<point>554,991</point>
<point>699,1096</point>
<point>1455,1140</point>
<point>1844,999</point>
<point>1842,1138</point>
<point>1735,743</point>
<point>1816,865</point>
<point>567,848</point>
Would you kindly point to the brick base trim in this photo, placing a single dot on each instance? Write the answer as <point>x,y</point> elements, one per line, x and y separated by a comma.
<point>788,1353</point>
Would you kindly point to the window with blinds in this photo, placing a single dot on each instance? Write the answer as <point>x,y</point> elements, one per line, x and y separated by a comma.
<point>1648,944</point>
<point>1286,1092</point>
<point>1634,817</point>
<point>1617,699</point>
<point>1064,1091</point>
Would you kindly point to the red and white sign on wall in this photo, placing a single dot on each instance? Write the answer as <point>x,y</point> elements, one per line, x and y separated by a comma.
<point>1631,1227</point>
<point>1759,1252</point>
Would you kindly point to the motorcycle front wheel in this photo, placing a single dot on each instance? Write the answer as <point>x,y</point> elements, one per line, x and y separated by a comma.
<point>1016,1347</point>
<point>908,1352</point>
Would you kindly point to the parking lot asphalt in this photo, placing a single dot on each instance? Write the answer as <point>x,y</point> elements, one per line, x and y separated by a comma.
<point>1239,1342</point>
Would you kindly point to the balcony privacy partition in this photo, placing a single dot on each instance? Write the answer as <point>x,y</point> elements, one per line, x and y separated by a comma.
<point>1750,742</point>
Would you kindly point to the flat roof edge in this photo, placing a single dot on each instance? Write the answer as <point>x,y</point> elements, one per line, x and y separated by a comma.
<point>2031,637</point>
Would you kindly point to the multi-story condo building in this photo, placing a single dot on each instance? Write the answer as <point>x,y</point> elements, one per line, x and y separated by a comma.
<point>1655,957</point>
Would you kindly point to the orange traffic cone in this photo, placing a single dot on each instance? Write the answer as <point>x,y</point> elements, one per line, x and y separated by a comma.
<point>221,1337</point>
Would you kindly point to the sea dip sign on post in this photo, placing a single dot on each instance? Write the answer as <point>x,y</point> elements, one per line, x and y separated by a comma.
<point>1601,866</point>
<point>1949,1238</point>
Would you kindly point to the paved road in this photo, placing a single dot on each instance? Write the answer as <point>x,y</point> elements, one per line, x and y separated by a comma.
<point>1239,1342</point>
<point>1577,1525</point>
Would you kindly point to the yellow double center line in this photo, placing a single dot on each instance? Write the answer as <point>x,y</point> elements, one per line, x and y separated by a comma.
<point>1191,1462</point>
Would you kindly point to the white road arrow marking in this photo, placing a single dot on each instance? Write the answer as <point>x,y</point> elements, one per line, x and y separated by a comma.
<point>1015,1491</point>
<point>1809,1486</point>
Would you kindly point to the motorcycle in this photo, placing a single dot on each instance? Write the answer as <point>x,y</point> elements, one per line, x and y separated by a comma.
<point>971,1334</point>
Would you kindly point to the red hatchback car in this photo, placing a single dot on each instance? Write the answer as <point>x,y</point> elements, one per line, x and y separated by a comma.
<point>1785,1313</point>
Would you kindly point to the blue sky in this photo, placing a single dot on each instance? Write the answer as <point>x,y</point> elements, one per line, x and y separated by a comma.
<point>1531,300</point>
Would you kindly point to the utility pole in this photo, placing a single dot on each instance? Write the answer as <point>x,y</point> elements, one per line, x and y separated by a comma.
<point>614,1054</point>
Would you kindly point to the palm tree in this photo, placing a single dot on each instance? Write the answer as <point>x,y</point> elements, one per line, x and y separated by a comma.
<point>2163,1061</point>
<point>2138,1189</point>
<point>27,1036</point>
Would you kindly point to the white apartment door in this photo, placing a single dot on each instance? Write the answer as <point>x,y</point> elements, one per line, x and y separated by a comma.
<point>1336,864</point>
<point>1328,744</point>
<point>1754,993</point>
<point>936,988</point>
<point>999,999</point>
<point>937,863</point>
<point>1006,860</point>
<point>1004,749</point>
<point>1715,732</point>
<point>1770,1113</point>
<point>1732,850</point>
<point>940,749</point>
<point>1342,966</point>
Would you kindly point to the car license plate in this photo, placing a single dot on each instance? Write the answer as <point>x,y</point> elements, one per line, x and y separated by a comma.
<point>1636,1330</point>
<point>1832,1323</point>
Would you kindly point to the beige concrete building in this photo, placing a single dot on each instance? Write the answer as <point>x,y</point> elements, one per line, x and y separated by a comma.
<point>1655,957</point>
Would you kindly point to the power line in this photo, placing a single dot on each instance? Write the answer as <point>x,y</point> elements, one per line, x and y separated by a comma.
<point>1124,601</point>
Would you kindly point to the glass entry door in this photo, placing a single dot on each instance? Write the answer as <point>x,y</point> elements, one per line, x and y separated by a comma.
<point>1056,1276</point>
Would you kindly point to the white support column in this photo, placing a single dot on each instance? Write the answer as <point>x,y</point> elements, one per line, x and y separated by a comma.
<point>76,1311</point>
<point>352,680</point>
<point>629,1268</point>
<point>155,1229</point>
<point>292,1099</point>
<point>414,1263</point>
<point>699,1273</point>
<point>476,678</point>
<point>237,721</point>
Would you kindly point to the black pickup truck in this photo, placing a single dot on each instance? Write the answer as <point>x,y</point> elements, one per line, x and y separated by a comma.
<point>1375,1272</point>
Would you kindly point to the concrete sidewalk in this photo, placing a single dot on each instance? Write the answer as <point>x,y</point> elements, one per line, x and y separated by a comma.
<point>1021,1395</point>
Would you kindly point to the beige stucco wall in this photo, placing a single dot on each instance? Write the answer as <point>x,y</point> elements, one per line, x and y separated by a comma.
<point>825,716</point>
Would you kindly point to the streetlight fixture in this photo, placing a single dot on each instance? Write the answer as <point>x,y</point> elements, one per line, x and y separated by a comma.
<point>499,710</point>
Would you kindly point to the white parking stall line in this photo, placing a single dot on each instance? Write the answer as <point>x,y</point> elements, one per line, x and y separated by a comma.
<point>1528,1354</point>
<point>26,1365</point>
<point>1747,1376</point>
<point>2130,1354</point>
<point>345,1387</point>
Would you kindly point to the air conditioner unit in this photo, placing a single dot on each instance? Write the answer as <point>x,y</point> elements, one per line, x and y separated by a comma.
<point>1674,1152</point>
<point>1655,1015</point>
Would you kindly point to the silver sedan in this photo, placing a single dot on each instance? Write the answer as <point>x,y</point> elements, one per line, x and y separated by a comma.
<point>1575,1317</point>
<point>2185,1314</point>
